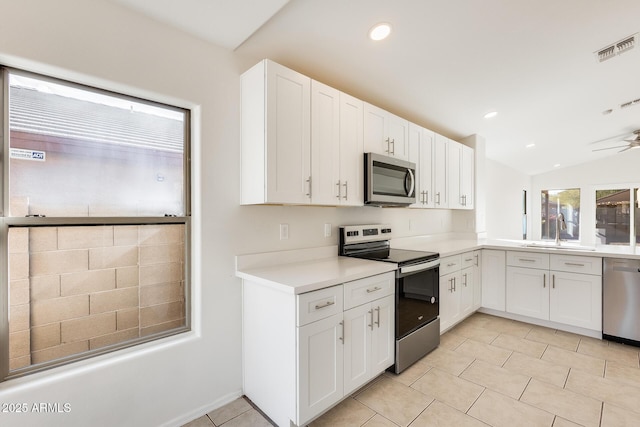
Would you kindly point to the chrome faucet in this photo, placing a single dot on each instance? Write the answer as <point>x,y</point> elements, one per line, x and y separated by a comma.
<point>560,225</point>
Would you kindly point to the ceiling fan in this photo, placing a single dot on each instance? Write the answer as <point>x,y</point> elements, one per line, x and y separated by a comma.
<point>632,143</point>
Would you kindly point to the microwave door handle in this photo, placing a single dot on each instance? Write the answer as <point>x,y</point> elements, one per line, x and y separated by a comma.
<point>413,182</point>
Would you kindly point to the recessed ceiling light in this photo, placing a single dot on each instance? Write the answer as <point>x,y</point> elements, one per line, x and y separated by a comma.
<point>490,114</point>
<point>530,145</point>
<point>380,31</point>
<point>557,165</point>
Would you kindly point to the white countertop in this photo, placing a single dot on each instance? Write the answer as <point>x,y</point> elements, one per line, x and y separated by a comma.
<point>311,269</point>
<point>310,275</point>
<point>454,247</point>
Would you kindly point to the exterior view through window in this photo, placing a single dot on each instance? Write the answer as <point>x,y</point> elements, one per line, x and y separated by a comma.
<point>96,225</point>
<point>566,202</point>
<point>617,216</point>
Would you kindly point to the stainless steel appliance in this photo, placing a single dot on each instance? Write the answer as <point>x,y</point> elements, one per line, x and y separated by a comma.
<point>621,300</point>
<point>417,324</point>
<point>388,181</point>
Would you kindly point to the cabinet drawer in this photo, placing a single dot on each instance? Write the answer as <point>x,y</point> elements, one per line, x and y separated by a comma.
<point>319,304</point>
<point>528,259</point>
<point>368,289</point>
<point>577,264</point>
<point>470,259</point>
<point>450,264</point>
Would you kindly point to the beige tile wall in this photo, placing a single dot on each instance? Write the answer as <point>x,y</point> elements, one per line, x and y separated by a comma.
<point>80,288</point>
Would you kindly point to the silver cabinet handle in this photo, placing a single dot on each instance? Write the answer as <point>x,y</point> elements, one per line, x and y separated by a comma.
<point>388,146</point>
<point>468,259</point>
<point>574,264</point>
<point>378,321</point>
<point>326,304</point>
<point>544,280</point>
<point>341,338</point>
<point>477,258</point>
<point>371,324</point>
<point>465,280</point>
<point>393,147</point>
<point>526,260</point>
<point>451,285</point>
<point>338,184</point>
<point>375,289</point>
<point>454,284</point>
<point>451,264</point>
<point>438,198</point>
<point>346,189</point>
<point>309,181</point>
<point>426,196</point>
<point>553,277</point>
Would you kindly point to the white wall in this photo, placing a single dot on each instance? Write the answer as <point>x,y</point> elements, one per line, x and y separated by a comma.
<point>169,382</point>
<point>503,191</point>
<point>618,169</point>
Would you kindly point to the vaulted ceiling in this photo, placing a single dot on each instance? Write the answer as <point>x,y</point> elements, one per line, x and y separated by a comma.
<point>447,63</point>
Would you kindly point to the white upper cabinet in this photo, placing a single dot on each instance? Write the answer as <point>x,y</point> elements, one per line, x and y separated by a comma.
<point>421,153</point>
<point>351,186</point>
<point>440,171</point>
<point>275,135</point>
<point>461,176</point>
<point>336,147</point>
<point>385,133</point>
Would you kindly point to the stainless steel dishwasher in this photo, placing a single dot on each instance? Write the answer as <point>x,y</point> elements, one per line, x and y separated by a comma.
<point>621,300</point>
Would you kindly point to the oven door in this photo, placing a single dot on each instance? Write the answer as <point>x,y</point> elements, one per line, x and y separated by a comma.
<point>417,296</point>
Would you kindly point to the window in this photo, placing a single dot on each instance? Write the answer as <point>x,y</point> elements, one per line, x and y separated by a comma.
<point>566,202</point>
<point>96,223</point>
<point>616,220</point>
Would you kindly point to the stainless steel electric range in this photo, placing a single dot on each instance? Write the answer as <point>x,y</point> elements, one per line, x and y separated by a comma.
<point>417,325</point>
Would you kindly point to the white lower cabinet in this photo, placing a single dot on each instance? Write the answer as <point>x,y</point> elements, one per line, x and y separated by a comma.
<point>459,278</point>
<point>561,288</point>
<point>493,279</point>
<point>342,337</point>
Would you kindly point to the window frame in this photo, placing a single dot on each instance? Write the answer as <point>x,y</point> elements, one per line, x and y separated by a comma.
<point>634,198</point>
<point>7,222</point>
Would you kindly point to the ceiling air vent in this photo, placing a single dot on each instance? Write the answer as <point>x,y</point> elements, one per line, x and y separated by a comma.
<point>616,48</point>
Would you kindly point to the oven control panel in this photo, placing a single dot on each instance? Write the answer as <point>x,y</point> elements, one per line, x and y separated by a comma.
<point>364,233</point>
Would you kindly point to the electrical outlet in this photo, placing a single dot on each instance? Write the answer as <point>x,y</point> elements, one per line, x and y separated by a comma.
<point>327,230</point>
<point>411,225</point>
<point>284,231</point>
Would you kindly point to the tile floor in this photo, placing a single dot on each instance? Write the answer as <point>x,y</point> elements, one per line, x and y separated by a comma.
<point>490,371</point>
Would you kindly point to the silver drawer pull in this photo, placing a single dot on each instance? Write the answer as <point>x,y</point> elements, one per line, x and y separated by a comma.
<point>526,260</point>
<point>574,264</point>
<point>451,264</point>
<point>373,290</point>
<point>326,304</point>
<point>468,259</point>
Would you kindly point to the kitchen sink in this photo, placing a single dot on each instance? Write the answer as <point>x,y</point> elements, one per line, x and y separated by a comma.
<point>567,247</point>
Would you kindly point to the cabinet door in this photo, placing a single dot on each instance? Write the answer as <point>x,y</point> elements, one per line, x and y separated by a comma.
<point>358,324</point>
<point>477,280</point>
<point>528,292</point>
<point>467,177</point>
<point>465,289</point>
<point>494,266</point>
<point>376,138</point>
<point>325,144</point>
<point>421,153</point>
<point>383,334</point>
<point>351,151</point>
<point>288,135</point>
<point>576,299</point>
<point>398,135</point>
<point>440,165</point>
<point>320,366</point>
<point>455,159</point>
<point>449,300</point>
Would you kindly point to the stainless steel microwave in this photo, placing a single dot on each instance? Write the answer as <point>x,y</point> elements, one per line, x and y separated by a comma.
<point>388,181</point>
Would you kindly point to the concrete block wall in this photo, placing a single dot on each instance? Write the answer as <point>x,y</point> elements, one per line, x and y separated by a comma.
<point>93,286</point>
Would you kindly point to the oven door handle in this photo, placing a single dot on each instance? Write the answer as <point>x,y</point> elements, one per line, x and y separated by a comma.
<point>419,267</point>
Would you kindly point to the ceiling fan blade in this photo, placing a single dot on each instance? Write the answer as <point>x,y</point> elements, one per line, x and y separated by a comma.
<point>611,148</point>
<point>628,148</point>
<point>609,139</point>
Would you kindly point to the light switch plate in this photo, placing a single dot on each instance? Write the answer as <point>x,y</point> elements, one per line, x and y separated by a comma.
<point>327,230</point>
<point>284,231</point>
